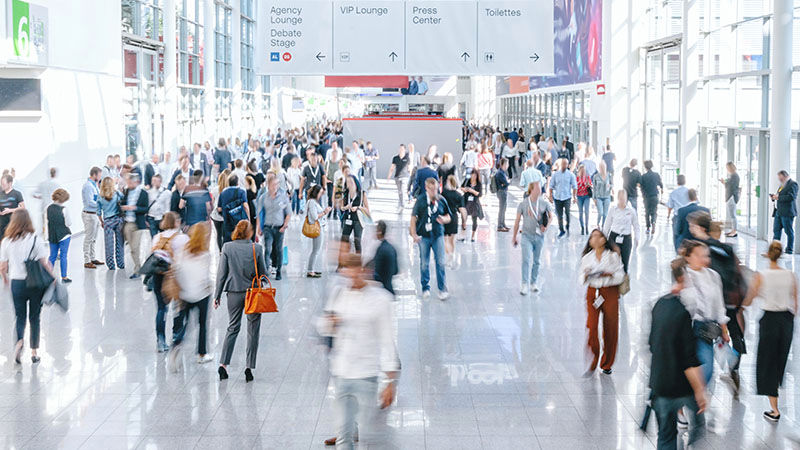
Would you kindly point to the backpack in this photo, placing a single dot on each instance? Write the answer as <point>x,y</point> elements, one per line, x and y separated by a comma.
<point>233,211</point>
<point>493,183</point>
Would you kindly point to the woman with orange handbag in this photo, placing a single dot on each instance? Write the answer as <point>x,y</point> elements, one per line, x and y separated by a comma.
<point>314,223</point>
<point>240,261</point>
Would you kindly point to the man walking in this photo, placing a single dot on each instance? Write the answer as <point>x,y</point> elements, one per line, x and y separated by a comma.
<point>678,198</point>
<point>371,166</point>
<point>135,203</point>
<point>785,210</point>
<point>276,211</point>
<point>651,189</point>
<point>563,187</point>
<point>399,171</point>
<point>91,223</point>
<point>631,179</point>
<point>427,229</point>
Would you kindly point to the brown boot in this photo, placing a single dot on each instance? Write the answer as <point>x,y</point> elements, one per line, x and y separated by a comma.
<point>330,442</point>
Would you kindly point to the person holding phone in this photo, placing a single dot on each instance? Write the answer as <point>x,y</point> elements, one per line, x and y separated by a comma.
<point>785,210</point>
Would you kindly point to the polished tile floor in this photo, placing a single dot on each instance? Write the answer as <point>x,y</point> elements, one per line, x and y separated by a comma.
<point>488,368</point>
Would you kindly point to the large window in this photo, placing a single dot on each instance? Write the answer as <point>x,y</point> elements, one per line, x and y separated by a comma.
<point>223,54</point>
<point>190,41</point>
<point>143,18</point>
<point>248,28</point>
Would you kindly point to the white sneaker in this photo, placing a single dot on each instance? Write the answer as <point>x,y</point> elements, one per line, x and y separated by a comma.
<point>444,295</point>
<point>204,359</point>
<point>523,289</point>
<point>172,358</point>
<point>535,287</point>
<point>426,294</point>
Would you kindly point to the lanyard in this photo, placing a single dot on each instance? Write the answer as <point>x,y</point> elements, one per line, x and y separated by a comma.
<point>432,209</point>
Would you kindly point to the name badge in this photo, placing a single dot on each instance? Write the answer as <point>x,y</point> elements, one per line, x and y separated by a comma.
<point>348,222</point>
<point>619,239</point>
<point>598,301</point>
<point>428,227</point>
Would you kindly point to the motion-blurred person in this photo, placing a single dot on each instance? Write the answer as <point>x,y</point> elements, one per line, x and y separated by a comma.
<point>19,246</point>
<point>159,199</point>
<point>192,269</point>
<point>536,214</point>
<point>631,180</point>
<point>177,195</point>
<point>196,200</point>
<point>10,201</point>
<point>682,219</point>
<point>424,171</point>
<point>426,227</point>
<point>315,213</point>
<point>732,192</point>
<point>353,199</point>
<point>134,208</point>
<point>398,171</point>
<point>702,296</point>
<point>446,168</point>
<point>602,272</point>
<point>501,180</point>
<point>359,318</point>
<point>110,215</point>
<point>484,165</point>
<point>332,174</point>
<point>237,268</point>
<point>473,190</point>
<point>678,198</point>
<point>531,174</point>
<point>676,380</point>
<point>170,242</point>
<point>385,261</point>
<point>622,228</point>
<point>785,210</point>
<point>455,204</point>
<point>602,187</point>
<point>273,221</point>
<point>44,193</point>
<point>58,232</point>
<point>216,214</point>
<point>777,289</point>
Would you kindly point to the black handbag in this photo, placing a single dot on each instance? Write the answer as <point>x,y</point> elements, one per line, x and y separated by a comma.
<point>38,276</point>
<point>708,331</point>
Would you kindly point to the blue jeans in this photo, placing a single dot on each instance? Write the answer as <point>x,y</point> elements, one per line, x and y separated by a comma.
<point>705,353</point>
<point>181,319</point>
<point>785,224</point>
<point>296,201</point>
<point>161,311</point>
<point>61,247</point>
<point>531,249</point>
<point>602,210</point>
<point>425,246</point>
<point>666,409</point>
<point>354,398</point>
<point>583,211</point>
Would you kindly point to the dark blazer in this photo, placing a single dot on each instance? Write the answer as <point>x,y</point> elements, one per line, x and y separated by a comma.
<point>787,200</point>
<point>683,224</point>
<point>236,269</point>
<point>385,265</point>
<point>200,165</point>
<point>142,206</point>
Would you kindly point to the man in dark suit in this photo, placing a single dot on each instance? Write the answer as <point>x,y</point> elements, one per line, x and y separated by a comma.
<point>385,260</point>
<point>682,227</point>
<point>134,209</point>
<point>785,210</point>
<point>570,146</point>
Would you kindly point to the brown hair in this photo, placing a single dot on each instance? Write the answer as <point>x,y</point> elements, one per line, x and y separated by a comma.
<point>170,220</point>
<point>60,195</point>
<point>222,180</point>
<point>774,251</point>
<point>20,225</point>
<point>107,188</point>
<point>243,230</point>
<point>688,247</point>
<point>678,268</point>
<point>198,238</point>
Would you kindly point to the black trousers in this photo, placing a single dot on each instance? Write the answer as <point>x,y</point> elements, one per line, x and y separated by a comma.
<point>737,335</point>
<point>650,211</point>
<point>356,229</point>
<point>502,198</point>
<point>218,229</point>
<point>273,246</point>
<point>27,306</point>
<point>181,319</point>
<point>511,160</point>
<point>774,342</point>
<point>624,247</point>
<point>562,209</point>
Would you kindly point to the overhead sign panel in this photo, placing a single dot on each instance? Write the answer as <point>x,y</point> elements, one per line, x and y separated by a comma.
<point>416,37</point>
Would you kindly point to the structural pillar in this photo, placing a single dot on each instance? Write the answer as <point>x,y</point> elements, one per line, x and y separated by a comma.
<point>689,137</point>
<point>236,68</point>
<point>209,72</point>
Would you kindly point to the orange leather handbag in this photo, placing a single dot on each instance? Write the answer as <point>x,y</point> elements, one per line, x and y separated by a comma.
<point>259,299</point>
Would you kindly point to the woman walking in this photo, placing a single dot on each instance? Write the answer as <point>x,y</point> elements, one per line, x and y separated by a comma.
<point>602,186</point>
<point>484,165</point>
<point>536,214</point>
<point>239,261</point>
<point>170,242</point>
<point>315,213</point>
<point>293,174</point>
<point>621,225</point>
<point>58,232</point>
<point>777,289</point>
<point>473,189</point>
<point>192,269</point>
<point>601,270</point>
<point>353,199</point>
<point>20,244</point>
<point>111,220</point>
<point>455,203</point>
<point>732,192</point>
<point>584,194</point>
<point>216,215</point>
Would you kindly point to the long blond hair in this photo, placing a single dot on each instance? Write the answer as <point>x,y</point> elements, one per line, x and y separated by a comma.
<point>198,238</point>
<point>107,188</point>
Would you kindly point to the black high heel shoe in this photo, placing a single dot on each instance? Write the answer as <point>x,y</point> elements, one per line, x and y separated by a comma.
<point>248,375</point>
<point>223,374</point>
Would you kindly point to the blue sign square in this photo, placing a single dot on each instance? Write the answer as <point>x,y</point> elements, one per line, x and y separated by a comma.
<point>274,56</point>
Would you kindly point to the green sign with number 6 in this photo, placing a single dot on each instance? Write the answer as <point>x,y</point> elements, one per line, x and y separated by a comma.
<point>21,27</point>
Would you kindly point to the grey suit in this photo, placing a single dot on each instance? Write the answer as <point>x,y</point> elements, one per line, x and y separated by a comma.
<point>234,276</point>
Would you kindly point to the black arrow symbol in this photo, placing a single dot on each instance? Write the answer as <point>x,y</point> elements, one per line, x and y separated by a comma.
<point>393,55</point>
<point>535,57</point>
<point>465,55</point>
<point>320,56</point>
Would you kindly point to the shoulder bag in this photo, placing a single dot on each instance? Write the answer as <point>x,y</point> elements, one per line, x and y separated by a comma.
<point>38,277</point>
<point>258,299</point>
<point>311,230</point>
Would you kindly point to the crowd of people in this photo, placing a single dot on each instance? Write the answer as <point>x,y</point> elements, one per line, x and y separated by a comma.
<point>243,197</point>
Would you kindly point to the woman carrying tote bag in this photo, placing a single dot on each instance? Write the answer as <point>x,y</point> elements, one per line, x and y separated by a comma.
<point>235,273</point>
<point>314,222</point>
<point>20,245</point>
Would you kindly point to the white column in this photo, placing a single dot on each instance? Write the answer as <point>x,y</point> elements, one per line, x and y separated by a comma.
<point>170,79</point>
<point>689,143</point>
<point>209,71</point>
<point>780,124</point>
<point>236,68</point>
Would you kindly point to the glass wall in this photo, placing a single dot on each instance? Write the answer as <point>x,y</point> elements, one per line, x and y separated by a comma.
<point>558,114</point>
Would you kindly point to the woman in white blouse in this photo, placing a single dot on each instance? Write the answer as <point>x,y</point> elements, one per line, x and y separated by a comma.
<point>621,226</point>
<point>602,272</point>
<point>776,287</point>
<point>702,297</point>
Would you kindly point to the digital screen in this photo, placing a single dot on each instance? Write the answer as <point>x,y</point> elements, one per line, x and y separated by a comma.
<point>20,94</point>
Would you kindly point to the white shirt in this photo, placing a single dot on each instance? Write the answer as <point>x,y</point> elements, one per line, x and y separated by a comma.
<point>777,290</point>
<point>609,262</point>
<point>702,296</point>
<point>469,158</point>
<point>241,176</point>
<point>621,221</point>
<point>192,273</point>
<point>508,151</point>
<point>177,243</point>
<point>45,191</point>
<point>166,169</point>
<point>15,253</point>
<point>363,342</point>
<point>159,202</point>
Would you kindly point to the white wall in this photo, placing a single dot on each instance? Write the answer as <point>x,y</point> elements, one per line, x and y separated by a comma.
<point>82,115</point>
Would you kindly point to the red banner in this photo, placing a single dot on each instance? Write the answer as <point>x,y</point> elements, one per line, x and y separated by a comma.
<point>390,81</point>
